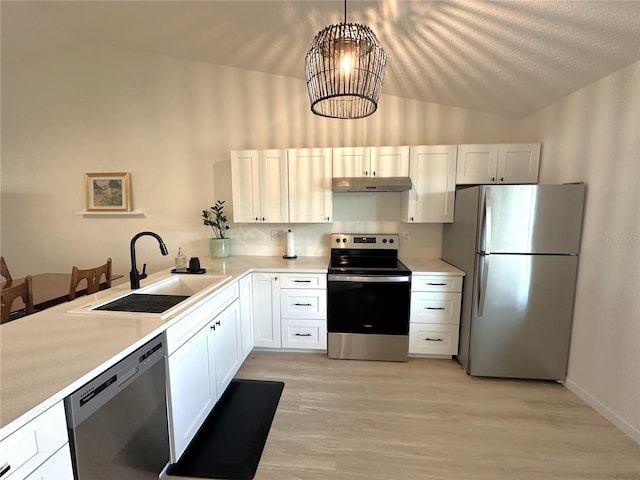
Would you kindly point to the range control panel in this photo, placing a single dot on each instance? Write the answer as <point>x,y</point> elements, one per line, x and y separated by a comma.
<point>375,241</point>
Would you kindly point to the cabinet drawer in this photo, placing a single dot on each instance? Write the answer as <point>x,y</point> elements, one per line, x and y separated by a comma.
<point>303,280</point>
<point>57,467</point>
<point>433,339</point>
<point>434,307</point>
<point>26,449</point>
<point>436,283</point>
<point>192,321</point>
<point>310,334</point>
<point>303,303</point>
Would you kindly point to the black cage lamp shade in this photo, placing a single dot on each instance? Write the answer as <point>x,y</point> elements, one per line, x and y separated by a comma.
<point>345,69</point>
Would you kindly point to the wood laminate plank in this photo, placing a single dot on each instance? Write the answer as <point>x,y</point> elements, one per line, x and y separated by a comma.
<point>427,419</point>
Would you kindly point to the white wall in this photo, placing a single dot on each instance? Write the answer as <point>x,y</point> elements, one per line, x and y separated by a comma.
<point>172,123</point>
<point>592,136</point>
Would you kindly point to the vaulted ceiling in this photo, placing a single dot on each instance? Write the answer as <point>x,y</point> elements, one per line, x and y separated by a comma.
<point>507,57</point>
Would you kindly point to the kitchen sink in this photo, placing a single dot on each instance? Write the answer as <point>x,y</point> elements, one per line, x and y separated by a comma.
<point>162,297</point>
<point>143,302</point>
<point>183,284</point>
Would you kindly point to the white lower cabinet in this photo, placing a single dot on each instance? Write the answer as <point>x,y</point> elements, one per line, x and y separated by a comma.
<point>290,310</point>
<point>435,314</point>
<point>201,367</point>
<point>58,466</point>
<point>39,449</point>
<point>192,390</point>
<point>266,310</point>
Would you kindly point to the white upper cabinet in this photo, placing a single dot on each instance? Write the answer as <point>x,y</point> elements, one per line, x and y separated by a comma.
<point>432,169</point>
<point>371,162</point>
<point>310,195</point>
<point>389,161</point>
<point>508,163</point>
<point>351,161</point>
<point>260,186</point>
<point>518,163</point>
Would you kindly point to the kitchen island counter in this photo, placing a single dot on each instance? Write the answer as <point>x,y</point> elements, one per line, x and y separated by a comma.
<point>48,355</point>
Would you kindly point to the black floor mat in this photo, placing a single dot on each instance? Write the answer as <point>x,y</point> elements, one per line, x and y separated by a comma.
<point>230,442</point>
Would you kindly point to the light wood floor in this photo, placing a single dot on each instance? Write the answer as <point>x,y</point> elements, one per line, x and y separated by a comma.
<point>426,419</point>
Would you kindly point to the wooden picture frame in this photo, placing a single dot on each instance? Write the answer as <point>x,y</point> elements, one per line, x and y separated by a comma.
<point>108,192</point>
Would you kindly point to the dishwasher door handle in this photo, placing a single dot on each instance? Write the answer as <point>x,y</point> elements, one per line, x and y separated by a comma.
<point>127,376</point>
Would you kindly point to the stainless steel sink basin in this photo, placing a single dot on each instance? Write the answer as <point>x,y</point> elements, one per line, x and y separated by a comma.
<point>161,298</point>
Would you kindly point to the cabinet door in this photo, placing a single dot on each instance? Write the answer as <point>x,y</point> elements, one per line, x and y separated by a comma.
<point>274,197</point>
<point>225,335</point>
<point>518,163</point>
<point>266,310</point>
<point>389,161</point>
<point>58,466</point>
<point>351,161</point>
<point>310,195</point>
<point>433,175</point>
<point>246,317</point>
<point>245,182</point>
<point>192,390</point>
<point>477,164</point>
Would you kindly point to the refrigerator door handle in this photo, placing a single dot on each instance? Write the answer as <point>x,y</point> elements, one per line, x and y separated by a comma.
<point>487,221</point>
<point>483,274</point>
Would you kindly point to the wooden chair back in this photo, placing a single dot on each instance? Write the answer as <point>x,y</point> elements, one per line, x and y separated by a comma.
<point>4,270</point>
<point>92,276</point>
<point>23,290</point>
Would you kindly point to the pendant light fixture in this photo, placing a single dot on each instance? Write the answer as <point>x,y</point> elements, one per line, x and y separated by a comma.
<point>344,69</point>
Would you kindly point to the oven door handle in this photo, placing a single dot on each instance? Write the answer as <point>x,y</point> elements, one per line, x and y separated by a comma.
<point>368,279</point>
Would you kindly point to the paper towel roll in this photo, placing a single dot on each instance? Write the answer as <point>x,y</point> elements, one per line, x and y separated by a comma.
<point>290,246</point>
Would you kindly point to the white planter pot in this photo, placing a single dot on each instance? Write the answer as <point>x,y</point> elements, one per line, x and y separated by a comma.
<point>220,247</point>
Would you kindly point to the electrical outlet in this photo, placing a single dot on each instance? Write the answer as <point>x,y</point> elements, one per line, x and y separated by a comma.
<point>405,236</point>
<point>276,235</point>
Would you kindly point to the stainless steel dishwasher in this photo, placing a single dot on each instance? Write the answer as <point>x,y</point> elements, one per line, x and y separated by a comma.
<point>118,421</point>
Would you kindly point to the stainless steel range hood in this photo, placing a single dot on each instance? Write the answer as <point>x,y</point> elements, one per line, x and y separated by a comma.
<point>371,184</point>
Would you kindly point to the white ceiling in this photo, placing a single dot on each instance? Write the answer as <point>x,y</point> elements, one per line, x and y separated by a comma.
<point>507,57</point>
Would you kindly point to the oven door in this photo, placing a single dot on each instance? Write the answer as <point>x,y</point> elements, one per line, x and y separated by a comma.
<point>362,304</point>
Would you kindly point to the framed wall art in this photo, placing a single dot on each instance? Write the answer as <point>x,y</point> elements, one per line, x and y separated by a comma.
<point>108,192</point>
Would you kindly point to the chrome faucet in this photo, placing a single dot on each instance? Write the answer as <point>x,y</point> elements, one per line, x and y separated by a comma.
<point>134,275</point>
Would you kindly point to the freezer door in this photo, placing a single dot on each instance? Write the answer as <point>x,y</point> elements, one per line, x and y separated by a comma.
<point>522,313</point>
<point>543,219</point>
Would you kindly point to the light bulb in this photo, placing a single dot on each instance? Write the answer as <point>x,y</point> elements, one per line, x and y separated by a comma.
<point>346,64</point>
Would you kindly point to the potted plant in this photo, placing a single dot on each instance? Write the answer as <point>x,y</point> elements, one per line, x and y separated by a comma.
<point>214,217</point>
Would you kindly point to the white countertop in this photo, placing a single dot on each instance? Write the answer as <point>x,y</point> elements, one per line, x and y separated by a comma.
<point>48,355</point>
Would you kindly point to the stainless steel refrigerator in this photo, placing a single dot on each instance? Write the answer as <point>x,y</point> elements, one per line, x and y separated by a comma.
<point>518,245</point>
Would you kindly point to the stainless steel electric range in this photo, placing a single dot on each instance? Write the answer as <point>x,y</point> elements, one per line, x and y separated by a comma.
<point>368,297</point>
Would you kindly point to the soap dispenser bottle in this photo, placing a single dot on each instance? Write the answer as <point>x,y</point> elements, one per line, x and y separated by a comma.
<point>181,261</point>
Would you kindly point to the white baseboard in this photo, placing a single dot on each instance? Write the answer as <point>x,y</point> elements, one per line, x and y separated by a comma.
<point>603,410</point>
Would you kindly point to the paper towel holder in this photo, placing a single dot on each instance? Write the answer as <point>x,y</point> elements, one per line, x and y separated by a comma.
<point>289,257</point>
